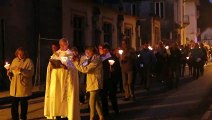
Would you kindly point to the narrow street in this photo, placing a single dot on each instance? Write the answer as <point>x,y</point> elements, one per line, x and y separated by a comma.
<point>188,102</point>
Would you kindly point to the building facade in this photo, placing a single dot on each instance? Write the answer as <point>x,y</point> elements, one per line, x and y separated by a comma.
<point>96,24</point>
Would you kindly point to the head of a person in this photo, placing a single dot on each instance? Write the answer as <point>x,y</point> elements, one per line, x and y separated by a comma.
<point>161,45</point>
<point>201,45</point>
<point>196,45</point>
<point>75,51</point>
<point>106,49</point>
<point>54,47</point>
<point>90,51</point>
<point>174,45</point>
<point>63,44</point>
<point>21,53</point>
<point>124,44</point>
<point>100,49</point>
<point>145,45</point>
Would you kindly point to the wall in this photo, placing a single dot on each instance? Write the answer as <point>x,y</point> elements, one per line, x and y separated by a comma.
<point>191,29</point>
<point>18,16</point>
<point>19,26</point>
<point>107,15</point>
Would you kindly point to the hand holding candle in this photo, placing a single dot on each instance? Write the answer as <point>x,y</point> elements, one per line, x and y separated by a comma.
<point>121,52</point>
<point>150,48</point>
<point>111,62</point>
<point>7,66</point>
<point>187,58</point>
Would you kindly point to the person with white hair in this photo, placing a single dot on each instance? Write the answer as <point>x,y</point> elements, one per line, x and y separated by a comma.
<point>62,87</point>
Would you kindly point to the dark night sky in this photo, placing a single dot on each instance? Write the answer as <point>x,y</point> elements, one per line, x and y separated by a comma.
<point>205,19</point>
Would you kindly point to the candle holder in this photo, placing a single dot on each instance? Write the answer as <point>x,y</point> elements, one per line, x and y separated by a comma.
<point>7,65</point>
<point>150,48</point>
<point>111,62</point>
<point>187,58</point>
<point>63,59</point>
<point>121,52</point>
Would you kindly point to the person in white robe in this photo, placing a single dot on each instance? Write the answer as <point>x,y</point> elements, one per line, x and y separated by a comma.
<point>62,87</point>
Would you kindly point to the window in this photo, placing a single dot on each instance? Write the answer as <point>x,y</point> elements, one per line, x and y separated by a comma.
<point>159,9</point>
<point>128,34</point>
<point>107,28</point>
<point>78,31</point>
<point>133,9</point>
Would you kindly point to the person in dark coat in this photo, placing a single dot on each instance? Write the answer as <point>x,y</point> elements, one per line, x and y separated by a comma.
<point>204,58</point>
<point>110,80</point>
<point>196,55</point>
<point>146,60</point>
<point>175,58</point>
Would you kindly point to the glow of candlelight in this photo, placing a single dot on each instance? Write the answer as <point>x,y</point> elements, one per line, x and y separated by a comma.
<point>167,47</point>
<point>139,55</point>
<point>7,65</point>
<point>121,52</point>
<point>63,59</point>
<point>111,62</point>
<point>187,58</point>
<point>150,48</point>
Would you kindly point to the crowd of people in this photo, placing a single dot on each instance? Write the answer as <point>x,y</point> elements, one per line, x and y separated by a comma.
<point>99,73</point>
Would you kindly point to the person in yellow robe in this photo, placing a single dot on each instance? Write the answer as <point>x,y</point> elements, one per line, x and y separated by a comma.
<point>20,73</point>
<point>62,86</point>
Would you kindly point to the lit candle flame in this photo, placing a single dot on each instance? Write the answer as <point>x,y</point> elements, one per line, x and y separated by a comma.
<point>121,52</point>
<point>167,47</point>
<point>111,62</point>
<point>150,48</point>
<point>139,55</point>
<point>7,65</point>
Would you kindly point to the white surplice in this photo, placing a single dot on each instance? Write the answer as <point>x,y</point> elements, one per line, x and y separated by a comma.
<point>62,89</point>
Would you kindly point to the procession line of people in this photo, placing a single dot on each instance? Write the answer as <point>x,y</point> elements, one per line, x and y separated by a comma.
<point>99,74</point>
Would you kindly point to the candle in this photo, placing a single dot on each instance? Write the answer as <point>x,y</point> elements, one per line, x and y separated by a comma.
<point>111,62</point>
<point>7,65</point>
<point>167,47</point>
<point>150,48</point>
<point>63,59</point>
<point>138,55</point>
<point>121,52</point>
